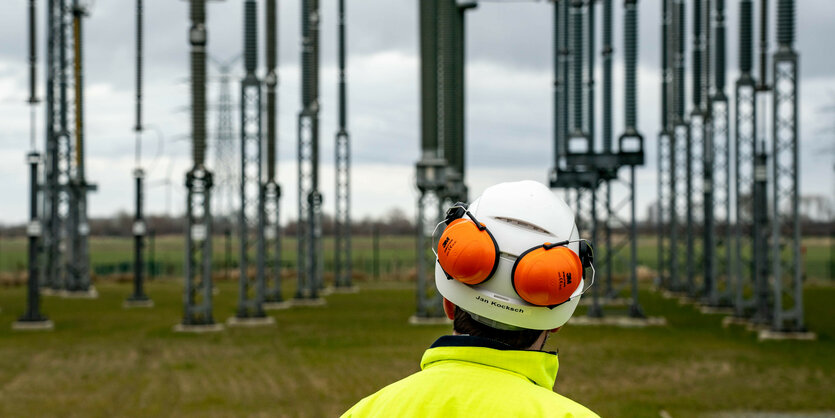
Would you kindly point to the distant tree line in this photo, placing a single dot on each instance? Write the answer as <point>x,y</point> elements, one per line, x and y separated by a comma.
<point>394,222</point>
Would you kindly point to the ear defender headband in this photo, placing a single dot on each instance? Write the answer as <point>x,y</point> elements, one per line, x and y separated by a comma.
<point>545,275</point>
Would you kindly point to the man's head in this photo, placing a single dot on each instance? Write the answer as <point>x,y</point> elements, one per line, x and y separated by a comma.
<point>512,260</point>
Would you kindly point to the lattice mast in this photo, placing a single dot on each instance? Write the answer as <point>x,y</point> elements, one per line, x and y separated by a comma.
<point>786,233</point>
<point>745,133</point>
<point>342,261</point>
<point>251,215</point>
<point>664,169</point>
<point>55,197</point>
<point>631,143</point>
<point>718,246</point>
<point>309,225</point>
<point>431,168</point>
<point>270,251</point>
<point>760,243</point>
<point>198,268</point>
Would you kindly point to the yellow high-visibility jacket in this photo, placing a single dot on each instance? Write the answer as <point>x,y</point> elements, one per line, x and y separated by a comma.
<point>465,376</point>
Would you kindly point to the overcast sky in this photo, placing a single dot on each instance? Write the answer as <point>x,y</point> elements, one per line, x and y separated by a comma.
<point>508,91</point>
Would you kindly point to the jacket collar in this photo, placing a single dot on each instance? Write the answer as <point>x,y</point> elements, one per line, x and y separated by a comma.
<point>537,366</point>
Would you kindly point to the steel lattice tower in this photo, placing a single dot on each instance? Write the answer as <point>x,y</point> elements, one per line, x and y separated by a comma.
<point>66,261</point>
<point>342,266</point>
<point>270,251</point>
<point>310,199</point>
<point>680,151</point>
<point>718,231</point>
<point>785,239</point>
<point>251,213</point>
<point>431,168</point>
<point>745,132</point>
<point>580,164</point>
<point>226,184</point>
<point>665,170</point>
<point>695,149</point>
<point>197,309</point>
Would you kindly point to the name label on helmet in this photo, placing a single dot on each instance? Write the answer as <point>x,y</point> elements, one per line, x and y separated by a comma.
<point>499,305</point>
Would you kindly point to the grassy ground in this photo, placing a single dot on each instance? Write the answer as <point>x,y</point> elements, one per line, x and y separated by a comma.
<point>102,360</point>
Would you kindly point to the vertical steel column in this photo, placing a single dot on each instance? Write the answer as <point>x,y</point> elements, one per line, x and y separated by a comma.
<point>595,309</point>
<point>680,162</point>
<point>786,239</point>
<point>745,133</point>
<point>310,200</point>
<point>721,270</point>
<point>53,271</point>
<point>762,308</point>
<point>631,140</point>
<point>694,158</point>
<point>342,266</point>
<point>270,190</point>
<point>432,168</point>
<point>34,228</point>
<point>607,141</point>
<point>558,42</point>
<point>664,152</point>
<point>78,262</point>
<point>139,175</point>
<point>197,297</point>
<point>63,155</point>
<point>251,215</point>
<point>33,231</point>
<point>708,264</point>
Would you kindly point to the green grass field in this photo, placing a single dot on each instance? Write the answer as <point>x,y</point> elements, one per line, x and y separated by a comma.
<point>397,256</point>
<point>102,360</point>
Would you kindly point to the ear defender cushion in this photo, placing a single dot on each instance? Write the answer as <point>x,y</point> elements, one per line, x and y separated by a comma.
<point>466,253</point>
<point>547,277</point>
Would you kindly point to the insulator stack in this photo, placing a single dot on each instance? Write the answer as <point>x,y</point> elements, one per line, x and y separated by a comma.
<point>746,36</point>
<point>343,118</point>
<point>198,76</point>
<point>630,51</point>
<point>698,49</point>
<point>272,82</point>
<point>607,76</point>
<point>763,44</point>
<point>250,37</point>
<point>138,127</point>
<point>719,63</point>
<point>577,63</point>
<point>33,54</point>
<point>665,64</point>
<point>785,23</point>
<point>678,59</point>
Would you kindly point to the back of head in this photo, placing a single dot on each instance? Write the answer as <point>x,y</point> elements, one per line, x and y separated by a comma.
<point>534,279</point>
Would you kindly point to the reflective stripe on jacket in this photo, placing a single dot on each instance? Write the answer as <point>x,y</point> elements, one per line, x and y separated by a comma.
<point>464,376</point>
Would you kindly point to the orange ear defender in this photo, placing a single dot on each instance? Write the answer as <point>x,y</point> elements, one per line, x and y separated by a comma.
<point>467,251</point>
<point>547,275</point>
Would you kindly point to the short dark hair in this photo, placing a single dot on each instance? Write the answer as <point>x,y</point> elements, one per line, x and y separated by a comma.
<point>518,340</point>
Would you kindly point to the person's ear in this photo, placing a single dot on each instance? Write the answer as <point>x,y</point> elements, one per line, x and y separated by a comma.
<point>449,309</point>
<point>553,331</point>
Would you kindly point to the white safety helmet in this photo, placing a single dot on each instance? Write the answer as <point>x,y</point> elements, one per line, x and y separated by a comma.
<point>520,217</point>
